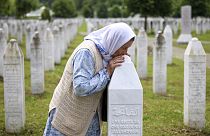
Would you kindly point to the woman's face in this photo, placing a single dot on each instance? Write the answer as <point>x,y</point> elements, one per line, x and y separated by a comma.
<point>123,50</point>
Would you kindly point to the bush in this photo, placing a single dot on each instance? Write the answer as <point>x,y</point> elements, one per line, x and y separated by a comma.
<point>64,8</point>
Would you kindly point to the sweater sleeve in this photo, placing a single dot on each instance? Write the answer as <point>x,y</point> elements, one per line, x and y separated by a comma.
<point>85,82</point>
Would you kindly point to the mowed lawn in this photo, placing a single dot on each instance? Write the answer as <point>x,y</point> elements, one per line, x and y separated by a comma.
<point>163,115</point>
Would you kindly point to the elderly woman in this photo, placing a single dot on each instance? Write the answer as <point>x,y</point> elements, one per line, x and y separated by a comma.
<point>75,106</point>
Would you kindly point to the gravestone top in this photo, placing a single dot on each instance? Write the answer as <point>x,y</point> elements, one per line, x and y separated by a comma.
<point>125,66</point>
<point>195,48</point>
<point>160,38</point>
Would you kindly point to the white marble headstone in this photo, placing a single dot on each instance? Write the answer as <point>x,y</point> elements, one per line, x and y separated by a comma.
<point>142,45</point>
<point>185,36</point>
<point>28,40</point>
<point>57,47</point>
<point>37,65</point>
<point>3,44</point>
<point>61,40</point>
<point>194,85</point>
<point>125,101</point>
<point>48,43</point>
<point>169,42</point>
<point>14,90</point>
<point>159,65</point>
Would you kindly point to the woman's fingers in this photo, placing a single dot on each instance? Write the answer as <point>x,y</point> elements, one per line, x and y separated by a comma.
<point>113,63</point>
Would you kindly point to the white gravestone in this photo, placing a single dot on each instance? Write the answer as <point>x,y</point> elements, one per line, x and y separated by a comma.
<point>125,101</point>
<point>132,51</point>
<point>28,41</point>
<point>142,45</point>
<point>14,90</point>
<point>57,47</point>
<point>169,43</point>
<point>159,65</point>
<point>6,30</point>
<point>37,65</point>
<point>3,44</point>
<point>194,85</point>
<point>61,40</point>
<point>19,32</point>
<point>48,43</point>
<point>185,36</point>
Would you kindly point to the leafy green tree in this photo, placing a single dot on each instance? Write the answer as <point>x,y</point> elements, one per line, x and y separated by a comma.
<point>102,11</point>
<point>4,7</point>
<point>115,11</point>
<point>87,11</point>
<point>64,8</point>
<point>89,8</point>
<point>46,15</point>
<point>24,6</point>
<point>199,7</point>
<point>150,8</point>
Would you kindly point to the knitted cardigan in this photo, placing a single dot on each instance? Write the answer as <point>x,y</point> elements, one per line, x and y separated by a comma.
<point>74,113</point>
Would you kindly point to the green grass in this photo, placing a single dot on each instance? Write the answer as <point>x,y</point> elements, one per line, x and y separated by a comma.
<point>163,115</point>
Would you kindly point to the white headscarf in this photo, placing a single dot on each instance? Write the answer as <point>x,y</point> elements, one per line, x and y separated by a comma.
<point>110,38</point>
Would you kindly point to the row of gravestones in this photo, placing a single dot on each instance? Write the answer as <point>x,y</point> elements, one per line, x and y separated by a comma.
<point>194,82</point>
<point>13,67</point>
<point>200,25</point>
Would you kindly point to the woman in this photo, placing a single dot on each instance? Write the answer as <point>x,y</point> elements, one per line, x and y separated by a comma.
<point>75,106</point>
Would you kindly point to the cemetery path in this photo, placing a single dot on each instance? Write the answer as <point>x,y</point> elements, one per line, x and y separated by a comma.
<point>179,52</point>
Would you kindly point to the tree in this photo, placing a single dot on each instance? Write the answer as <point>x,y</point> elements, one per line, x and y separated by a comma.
<point>4,7</point>
<point>102,11</point>
<point>115,11</point>
<point>46,15</point>
<point>64,8</point>
<point>199,8</point>
<point>87,11</point>
<point>24,6</point>
<point>150,8</point>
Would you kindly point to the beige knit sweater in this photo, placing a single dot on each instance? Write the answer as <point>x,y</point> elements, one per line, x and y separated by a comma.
<point>74,113</point>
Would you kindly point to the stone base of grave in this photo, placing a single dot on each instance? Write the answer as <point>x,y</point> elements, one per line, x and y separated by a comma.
<point>184,38</point>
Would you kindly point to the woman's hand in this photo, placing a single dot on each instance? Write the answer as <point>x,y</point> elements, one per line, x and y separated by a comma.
<point>113,63</point>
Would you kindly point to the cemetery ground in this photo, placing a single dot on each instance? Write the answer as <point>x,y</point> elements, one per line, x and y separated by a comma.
<point>163,115</point>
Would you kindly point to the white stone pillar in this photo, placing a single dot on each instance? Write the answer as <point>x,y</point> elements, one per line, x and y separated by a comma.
<point>142,45</point>
<point>28,41</point>
<point>125,101</point>
<point>14,90</point>
<point>3,44</point>
<point>185,36</point>
<point>194,85</point>
<point>169,43</point>
<point>48,43</point>
<point>57,47</point>
<point>37,65</point>
<point>159,65</point>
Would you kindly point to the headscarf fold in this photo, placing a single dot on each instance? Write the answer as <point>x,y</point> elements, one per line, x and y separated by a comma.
<point>110,38</point>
